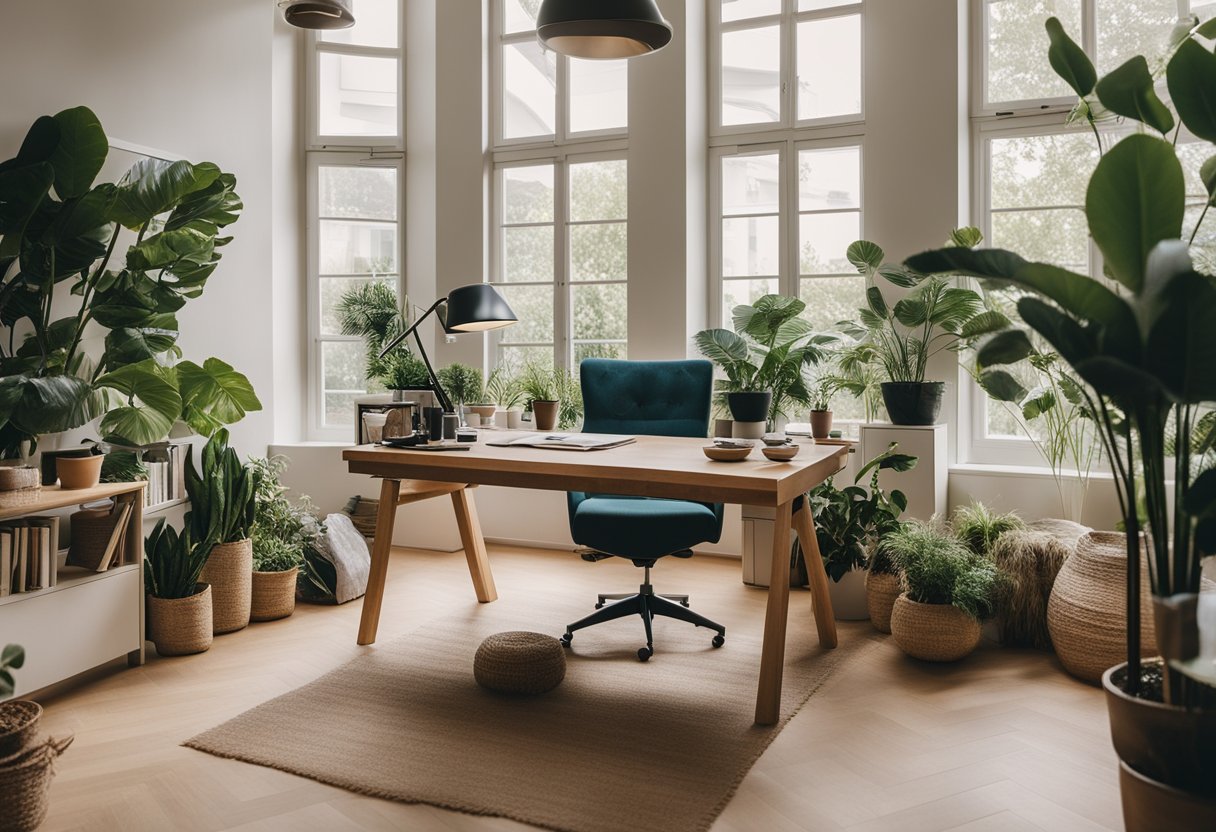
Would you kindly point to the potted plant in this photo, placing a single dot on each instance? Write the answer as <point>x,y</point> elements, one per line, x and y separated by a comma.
<point>282,533</point>
<point>978,528</point>
<point>947,590</point>
<point>82,471</point>
<point>884,584</point>
<point>902,337</point>
<point>826,386</point>
<point>570,396</point>
<point>178,603</point>
<point>1141,346</point>
<point>464,384</point>
<point>222,502</point>
<point>503,389</point>
<point>849,522</point>
<point>373,312</point>
<point>765,358</point>
<point>539,385</point>
<point>137,385</point>
<point>276,569</point>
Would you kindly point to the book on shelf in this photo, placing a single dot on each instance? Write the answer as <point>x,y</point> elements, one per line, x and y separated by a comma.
<point>28,554</point>
<point>6,562</point>
<point>165,464</point>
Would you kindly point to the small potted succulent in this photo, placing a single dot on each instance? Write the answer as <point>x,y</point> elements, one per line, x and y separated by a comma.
<point>178,603</point>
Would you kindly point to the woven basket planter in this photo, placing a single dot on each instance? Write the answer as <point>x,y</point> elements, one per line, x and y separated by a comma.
<point>25,782</point>
<point>180,626</point>
<point>18,725</point>
<point>1087,614</point>
<point>519,662</point>
<point>274,595</point>
<point>229,570</point>
<point>933,632</point>
<point>882,588</point>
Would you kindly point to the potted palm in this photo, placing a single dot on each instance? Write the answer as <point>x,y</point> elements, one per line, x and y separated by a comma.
<point>765,358</point>
<point>464,384</point>
<point>1141,346</point>
<point>539,385</point>
<point>178,601</point>
<point>373,312</point>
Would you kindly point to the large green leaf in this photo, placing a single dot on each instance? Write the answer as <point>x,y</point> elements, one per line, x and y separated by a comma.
<point>1067,336</point>
<point>1207,174</point>
<point>50,404</point>
<point>865,256</point>
<point>1136,199</point>
<point>166,249</point>
<point>1002,386</point>
<point>722,346</point>
<point>216,205</point>
<point>1190,75</point>
<point>1008,347</point>
<point>37,146</point>
<point>984,323</point>
<point>21,191</point>
<point>214,394</point>
<point>153,186</point>
<point>88,215</point>
<point>80,152</point>
<point>153,402</point>
<point>1069,60</point>
<point>1181,348</point>
<point>1129,91</point>
<point>130,345</point>
<point>877,304</point>
<point>968,236</point>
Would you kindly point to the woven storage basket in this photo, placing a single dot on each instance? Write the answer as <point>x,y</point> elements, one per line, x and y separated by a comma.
<point>19,477</point>
<point>229,570</point>
<point>18,725</point>
<point>882,588</point>
<point>1087,614</point>
<point>91,532</point>
<point>180,626</point>
<point>933,632</point>
<point>519,662</point>
<point>25,781</point>
<point>274,595</point>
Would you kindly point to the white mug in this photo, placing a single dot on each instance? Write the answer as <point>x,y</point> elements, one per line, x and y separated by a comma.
<point>501,418</point>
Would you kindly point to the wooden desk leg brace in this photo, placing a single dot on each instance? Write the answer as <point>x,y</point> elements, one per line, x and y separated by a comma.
<point>391,497</point>
<point>772,652</point>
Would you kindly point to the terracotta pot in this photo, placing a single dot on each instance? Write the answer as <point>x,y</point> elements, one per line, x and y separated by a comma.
<point>79,472</point>
<point>1087,611</point>
<point>180,626</point>
<point>1150,806</point>
<point>849,596</point>
<point>821,423</point>
<point>274,595</point>
<point>545,414</point>
<point>882,588</point>
<point>229,570</point>
<point>933,632</point>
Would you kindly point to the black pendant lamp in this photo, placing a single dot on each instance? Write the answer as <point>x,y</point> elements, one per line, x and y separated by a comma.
<point>318,14</point>
<point>602,29</point>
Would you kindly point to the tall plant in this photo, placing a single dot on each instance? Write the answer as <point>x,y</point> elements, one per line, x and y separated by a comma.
<point>1142,345</point>
<point>372,312</point>
<point>223,498</point>
<point>57,227</point>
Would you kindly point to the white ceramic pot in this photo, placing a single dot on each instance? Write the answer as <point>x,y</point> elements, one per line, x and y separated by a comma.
<point>849,601</point>
<point>515,419</point>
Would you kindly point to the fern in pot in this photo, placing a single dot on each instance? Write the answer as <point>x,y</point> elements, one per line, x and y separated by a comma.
<point>178,602</point>
<point>280,535</point>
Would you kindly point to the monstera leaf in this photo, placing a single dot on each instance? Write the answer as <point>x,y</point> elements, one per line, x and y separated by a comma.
<point>214,395</point>
<point>79,153</point>
<point>46,404</point>
<point>153,403</point>
<point>154,186</point>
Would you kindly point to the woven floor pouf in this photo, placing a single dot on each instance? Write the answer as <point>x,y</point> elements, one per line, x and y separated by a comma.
<point>519,662</point>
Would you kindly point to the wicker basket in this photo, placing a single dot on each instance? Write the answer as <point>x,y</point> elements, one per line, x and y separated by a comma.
<point>19,477</point>
<point>882,588</point>
<point>18,725</point>
<point>25,782</point>
<point>933,632</point>
<point>180,626</point>
<point>229,570</point>
<point>519,662</point>
<point>274,595</point>
<point>92,529</point>
<point>1087,612</point>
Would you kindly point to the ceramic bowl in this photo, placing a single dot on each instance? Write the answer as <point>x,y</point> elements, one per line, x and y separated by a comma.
<point>781,453</point>
<point>718,454</point>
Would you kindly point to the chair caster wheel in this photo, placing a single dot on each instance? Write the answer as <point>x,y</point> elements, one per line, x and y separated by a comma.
<point>644,654</point>
<point>566,639</point>
<point>599,605</point>
<point>685,605</point>
<point>719,641</point>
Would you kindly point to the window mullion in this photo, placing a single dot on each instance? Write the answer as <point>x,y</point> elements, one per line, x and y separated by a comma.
<point>562,318</point>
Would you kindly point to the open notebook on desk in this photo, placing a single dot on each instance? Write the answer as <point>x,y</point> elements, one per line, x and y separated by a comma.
<point>564,441</point>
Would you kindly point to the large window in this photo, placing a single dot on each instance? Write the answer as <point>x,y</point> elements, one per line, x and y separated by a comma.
<point>353,198</point>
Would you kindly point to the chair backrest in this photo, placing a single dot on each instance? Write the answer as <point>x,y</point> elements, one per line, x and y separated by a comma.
<point>656,398</point>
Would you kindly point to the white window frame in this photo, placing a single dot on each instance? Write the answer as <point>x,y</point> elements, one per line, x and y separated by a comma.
<point>788,20</point>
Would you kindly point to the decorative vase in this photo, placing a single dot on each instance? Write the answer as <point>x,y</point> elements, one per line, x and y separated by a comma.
<point>180,626</point>
<point>913,402</point>
<point>273,595</point>
<point>229,570</point>
<point>849,596</point>
<point>79,472</point>
<point>515,419</point>
<point>933,632</point>
<point>1087,610</point>
<point>1150,806</point>
<point>545,414</point>
<point>751,406</point>
<point>821,423</point>
<point>882,588</point>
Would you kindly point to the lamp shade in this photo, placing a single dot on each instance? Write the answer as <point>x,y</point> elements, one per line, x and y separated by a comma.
<point>318,14</point>
<point>603,29</point>
<point>476,308</point>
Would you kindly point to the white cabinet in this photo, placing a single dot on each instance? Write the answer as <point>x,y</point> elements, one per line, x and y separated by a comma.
<point>925,485</point>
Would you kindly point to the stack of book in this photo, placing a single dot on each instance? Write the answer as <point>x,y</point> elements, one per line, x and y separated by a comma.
<point>29,548</point>
<point>165,462</point>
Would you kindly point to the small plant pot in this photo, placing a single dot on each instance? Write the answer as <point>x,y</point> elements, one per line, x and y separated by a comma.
<point>933,632</point>
<point>18,725</point>
<point>274,595</point>
<point>181,626</point>
<point>882,588</point>
<point>515,419</point>
<point>849,596</point>
<point>25,783</point>
<point>79,472</point>
<point>485,411</point>
<point>545,414</point>
<point>821,423</point>
<point>751,406</point>
<point>913,402</point>
<point>229,570</point>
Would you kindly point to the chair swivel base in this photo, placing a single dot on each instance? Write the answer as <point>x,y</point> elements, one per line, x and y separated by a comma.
<point>647,605</point>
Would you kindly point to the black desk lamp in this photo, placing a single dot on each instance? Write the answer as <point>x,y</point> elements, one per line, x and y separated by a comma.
<point>477,307</point>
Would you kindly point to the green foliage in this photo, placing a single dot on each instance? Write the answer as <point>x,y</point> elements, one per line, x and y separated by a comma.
<point>173,562</point>
<point>223,496</point>
<point>1029,562</point>
<point>771,348</point>
<point>462,382</point>
<point>977,527</point>
<point>273,554</point>
<point>538,382</point>
<point>541,383</point>
<point>283,532</point>
<point>57,227</point>
<point>937,569</point>
<point>371,311</point>
<point>503,388</point>
<point>123,466</point>
<point>11,658</point>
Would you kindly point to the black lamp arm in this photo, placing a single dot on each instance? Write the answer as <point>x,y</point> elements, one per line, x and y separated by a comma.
<point>436,387</point>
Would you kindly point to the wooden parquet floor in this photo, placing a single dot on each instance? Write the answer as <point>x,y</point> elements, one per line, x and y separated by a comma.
<point>1002,741</point>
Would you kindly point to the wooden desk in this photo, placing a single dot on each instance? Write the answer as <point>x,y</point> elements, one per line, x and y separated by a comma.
<point>654,466</point>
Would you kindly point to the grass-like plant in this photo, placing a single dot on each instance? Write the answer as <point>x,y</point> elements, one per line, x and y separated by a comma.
<point>937,569</point>
<point>503,389</point>
<point>173,562</point>
<point>223,496</point>
<point>538,382</point>
<point>977,527</point>
<point>1029,562</point>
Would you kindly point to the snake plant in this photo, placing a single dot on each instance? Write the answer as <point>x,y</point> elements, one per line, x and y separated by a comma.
<point>222,497</point>
<point>173,562</point>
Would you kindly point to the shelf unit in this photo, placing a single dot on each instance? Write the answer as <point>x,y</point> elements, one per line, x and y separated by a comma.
<point>88,618</point>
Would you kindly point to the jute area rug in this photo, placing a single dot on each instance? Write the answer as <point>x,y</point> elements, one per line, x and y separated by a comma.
<point>619,745</point>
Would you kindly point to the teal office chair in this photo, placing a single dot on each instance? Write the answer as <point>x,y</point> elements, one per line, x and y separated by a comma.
<point>663,398</point>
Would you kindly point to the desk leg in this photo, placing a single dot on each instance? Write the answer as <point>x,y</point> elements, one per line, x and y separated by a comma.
<point>825,618</point>
<point>772,651</point>
<point>474,545</point>
<point>382,546</point>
